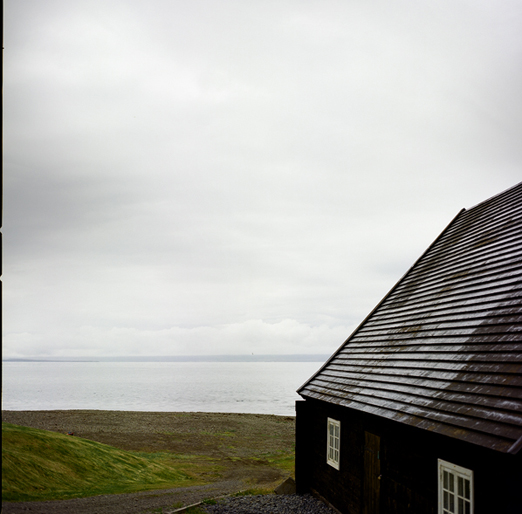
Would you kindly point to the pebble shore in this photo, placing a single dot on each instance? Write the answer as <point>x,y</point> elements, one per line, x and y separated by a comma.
<point>269,504</point>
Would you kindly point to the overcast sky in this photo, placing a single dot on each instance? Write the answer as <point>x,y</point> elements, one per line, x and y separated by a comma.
<point>214,177</point>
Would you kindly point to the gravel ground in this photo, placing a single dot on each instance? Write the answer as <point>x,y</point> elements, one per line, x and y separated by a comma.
<point>169,500</point>
<point>269,504</point>
<point>134,503</point>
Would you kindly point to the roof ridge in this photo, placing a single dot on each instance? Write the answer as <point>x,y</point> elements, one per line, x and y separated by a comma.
<point>506,192</point>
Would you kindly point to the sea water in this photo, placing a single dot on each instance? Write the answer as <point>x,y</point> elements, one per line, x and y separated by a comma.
<point>250,387</point>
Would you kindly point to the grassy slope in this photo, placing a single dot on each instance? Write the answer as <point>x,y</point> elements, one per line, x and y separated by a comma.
<point>41,465</point>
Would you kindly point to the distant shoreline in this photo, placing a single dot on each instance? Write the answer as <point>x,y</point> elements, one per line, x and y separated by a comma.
<point>180,358</point>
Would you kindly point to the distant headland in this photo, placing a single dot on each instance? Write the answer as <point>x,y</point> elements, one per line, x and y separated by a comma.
<point>305,357</point>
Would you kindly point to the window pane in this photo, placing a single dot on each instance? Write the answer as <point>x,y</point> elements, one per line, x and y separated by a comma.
<point>455,484</point>
<point>333,442</point>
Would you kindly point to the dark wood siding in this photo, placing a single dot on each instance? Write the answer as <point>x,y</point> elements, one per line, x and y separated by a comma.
<point>371,474</point>
<point>408,459</point>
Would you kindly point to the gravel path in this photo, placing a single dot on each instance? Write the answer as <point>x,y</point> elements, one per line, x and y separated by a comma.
<point>169,501</point>
<point>269,504</point>
<point>135,503</point>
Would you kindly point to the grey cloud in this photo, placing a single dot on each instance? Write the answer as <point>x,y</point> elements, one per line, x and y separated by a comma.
<point>179,167</point>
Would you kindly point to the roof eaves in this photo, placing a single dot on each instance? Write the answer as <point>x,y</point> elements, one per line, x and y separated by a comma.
<point>516,446</point>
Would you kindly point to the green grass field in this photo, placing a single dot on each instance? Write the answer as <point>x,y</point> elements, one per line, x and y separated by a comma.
<point>42,465</point>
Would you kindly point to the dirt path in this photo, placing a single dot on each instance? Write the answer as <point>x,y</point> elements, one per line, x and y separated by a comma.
<point>136,503</point>
<point>242,447</point>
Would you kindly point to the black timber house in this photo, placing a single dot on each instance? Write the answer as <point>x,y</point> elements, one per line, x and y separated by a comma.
<point>420,410</point>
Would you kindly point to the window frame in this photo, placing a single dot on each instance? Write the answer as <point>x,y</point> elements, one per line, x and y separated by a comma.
<point>333,451</point>
<point>457,472</point>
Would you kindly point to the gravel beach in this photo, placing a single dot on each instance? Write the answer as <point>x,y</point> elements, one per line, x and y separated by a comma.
<point>269,504</point>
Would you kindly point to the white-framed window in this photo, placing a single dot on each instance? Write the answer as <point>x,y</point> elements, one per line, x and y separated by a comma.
<point>455,489</point>
<point>333,445</point>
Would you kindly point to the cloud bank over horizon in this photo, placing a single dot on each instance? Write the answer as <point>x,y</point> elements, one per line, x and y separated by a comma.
<point>191,178</point>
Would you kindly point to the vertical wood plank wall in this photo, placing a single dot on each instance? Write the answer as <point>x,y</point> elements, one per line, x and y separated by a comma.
<point>407,464</point>
<point>372,474</point>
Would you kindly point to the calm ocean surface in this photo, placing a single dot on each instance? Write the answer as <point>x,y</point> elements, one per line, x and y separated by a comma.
<point>250,387</point>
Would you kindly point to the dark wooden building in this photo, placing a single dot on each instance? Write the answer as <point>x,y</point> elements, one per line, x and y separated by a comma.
<point>420,410</point>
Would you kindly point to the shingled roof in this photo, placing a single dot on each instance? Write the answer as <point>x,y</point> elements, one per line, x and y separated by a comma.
<point>443,350</point>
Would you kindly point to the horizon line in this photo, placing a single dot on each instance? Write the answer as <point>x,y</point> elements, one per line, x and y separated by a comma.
<point>297,357</point>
